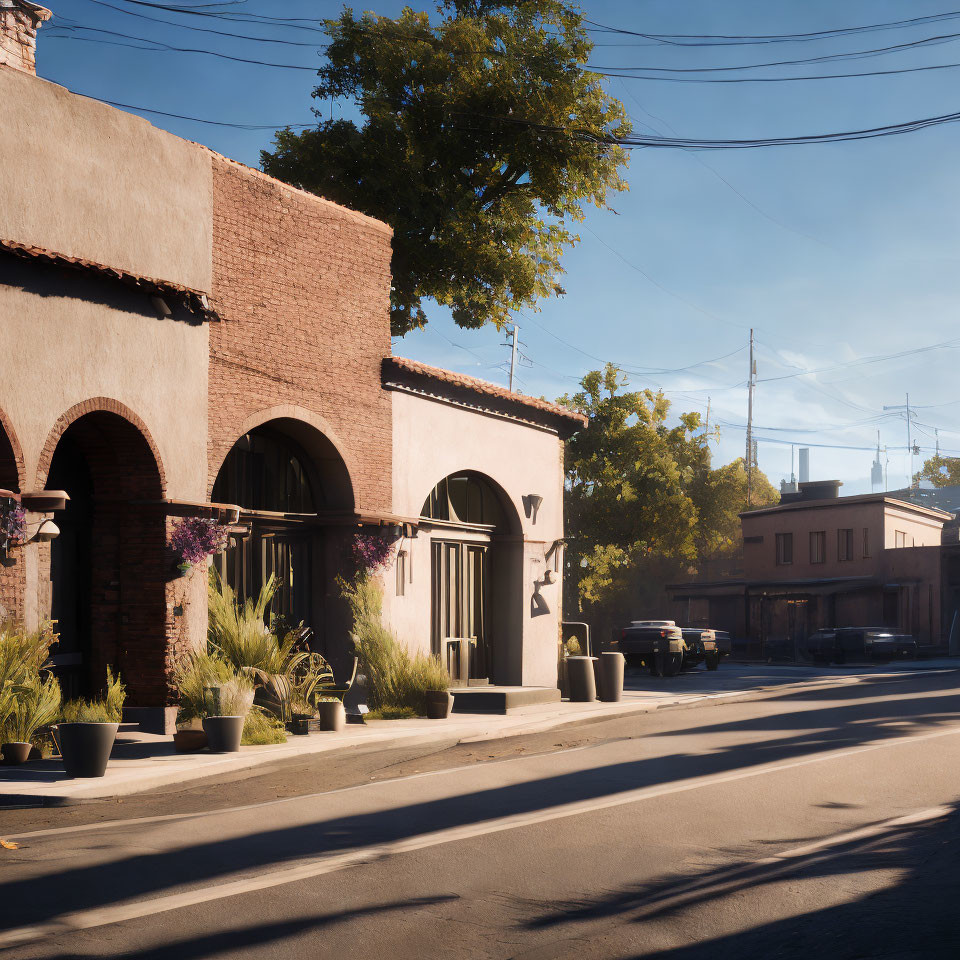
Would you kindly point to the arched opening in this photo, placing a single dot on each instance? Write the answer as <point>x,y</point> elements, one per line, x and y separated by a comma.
<point>107,567</point>
<point>282,474</point>
<point>475,583</point>
<point>11,568</point>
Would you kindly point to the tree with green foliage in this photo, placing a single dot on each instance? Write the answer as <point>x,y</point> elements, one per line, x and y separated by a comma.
<point>483,138</point>
<point>644,506</point>
<point>941,471</point>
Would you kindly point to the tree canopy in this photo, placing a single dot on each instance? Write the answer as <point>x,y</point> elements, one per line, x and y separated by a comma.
<point>643,502</point>
<point>483,138</point>
<point>941,471</point>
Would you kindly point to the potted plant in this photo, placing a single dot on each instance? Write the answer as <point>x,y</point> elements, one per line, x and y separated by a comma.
<point>194,539</point>
<point>30,705</point>
<point>88,729</point>
<point>13,528</point>
<point>225,708</point>
<point>438,700</point>
<point>330,713</point>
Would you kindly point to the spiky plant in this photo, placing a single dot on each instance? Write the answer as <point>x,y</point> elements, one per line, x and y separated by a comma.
<point>34,704</point>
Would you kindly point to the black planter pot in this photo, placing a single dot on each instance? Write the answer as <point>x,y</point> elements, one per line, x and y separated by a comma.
<point>583,685</point>
<point>223,733</point>
<point>16,751</point>
<point>611,676</point>
<point>85,747</point>
<point>439,704</point>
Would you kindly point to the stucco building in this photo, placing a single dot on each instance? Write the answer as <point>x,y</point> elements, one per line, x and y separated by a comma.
<point>186,336</point>
<point>821,560</point>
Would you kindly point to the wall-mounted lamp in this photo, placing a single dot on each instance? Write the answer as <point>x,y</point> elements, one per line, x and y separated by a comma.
<point>531,504</point>
<point>161,306</point>
<point>46,531</point>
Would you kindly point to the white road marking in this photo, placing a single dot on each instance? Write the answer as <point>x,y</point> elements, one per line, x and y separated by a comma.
<point>331,863</point>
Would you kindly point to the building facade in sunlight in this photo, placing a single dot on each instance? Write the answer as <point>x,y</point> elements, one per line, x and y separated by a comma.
<point>821,560</point>
<point>187,337</point>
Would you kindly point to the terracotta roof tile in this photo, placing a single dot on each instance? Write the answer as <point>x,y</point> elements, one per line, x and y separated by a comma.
<point>195,300</point>
<point>460,380</point>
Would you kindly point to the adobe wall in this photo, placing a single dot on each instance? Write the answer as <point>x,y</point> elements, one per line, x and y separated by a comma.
<point>85,179</point>
<point>433,440</point>
<point>303,290</point>
<point>759,559</point>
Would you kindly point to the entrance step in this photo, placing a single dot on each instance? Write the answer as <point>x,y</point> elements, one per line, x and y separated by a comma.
<point>492,699</point>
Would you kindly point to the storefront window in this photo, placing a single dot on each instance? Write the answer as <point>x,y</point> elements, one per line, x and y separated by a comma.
<point>264,472</point>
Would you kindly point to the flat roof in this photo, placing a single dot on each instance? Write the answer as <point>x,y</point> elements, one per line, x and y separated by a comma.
<point>934,512</point>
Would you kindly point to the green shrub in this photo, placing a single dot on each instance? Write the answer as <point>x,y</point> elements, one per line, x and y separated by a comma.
<point>237,632</point>
<point>85,711</point>
<point>106,709</point>
<point>397,679</point>
<point>35,703</point>
<point>209,686</point>
<point>23,653</point>
<point>23,659</point>
<point>115,697</point>
<point>261,728</point>
<point>392,713</point>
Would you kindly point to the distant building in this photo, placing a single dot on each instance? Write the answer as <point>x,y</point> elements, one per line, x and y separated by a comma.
<point>819,559</point>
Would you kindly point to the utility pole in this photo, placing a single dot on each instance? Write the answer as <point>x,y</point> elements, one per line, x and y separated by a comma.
<point>910,450</point>
<point>751,381</point>
<point>706,429</point>
<point>513,356</point>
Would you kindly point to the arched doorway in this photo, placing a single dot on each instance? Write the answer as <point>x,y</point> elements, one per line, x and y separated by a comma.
<point>474,575</point>
<point>282,474</point>
<point>11,567</point>
<point>107,567</point>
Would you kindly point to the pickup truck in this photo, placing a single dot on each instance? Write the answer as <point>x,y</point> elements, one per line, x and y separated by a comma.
<point>658,645</point>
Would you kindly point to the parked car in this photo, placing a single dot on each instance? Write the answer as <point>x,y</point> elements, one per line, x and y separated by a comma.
<point>840,644</point>
<point>660,646</point>
<point>723,641</point>
<point>698,645</point>
<point>716,645</point>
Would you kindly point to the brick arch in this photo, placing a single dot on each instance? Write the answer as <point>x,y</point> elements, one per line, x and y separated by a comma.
<point>6,429</point>
<point>95,405</point>
<point>288,412</point>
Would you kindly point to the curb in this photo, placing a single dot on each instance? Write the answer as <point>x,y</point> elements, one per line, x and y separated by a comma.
<point>259,763</point>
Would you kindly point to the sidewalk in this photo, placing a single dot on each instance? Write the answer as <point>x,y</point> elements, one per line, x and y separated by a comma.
<point>143,761</point>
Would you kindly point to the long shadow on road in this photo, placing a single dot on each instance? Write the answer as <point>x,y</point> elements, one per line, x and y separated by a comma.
<point>33,899</point>
<point>238,939</point>
<point>913,918</point>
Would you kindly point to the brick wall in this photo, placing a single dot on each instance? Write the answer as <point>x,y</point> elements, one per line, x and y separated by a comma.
<point>131,574</point>
<point>302,287</point>
<point>18,33</point>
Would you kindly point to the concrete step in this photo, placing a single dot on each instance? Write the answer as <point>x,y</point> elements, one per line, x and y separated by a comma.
<point>493,699</point>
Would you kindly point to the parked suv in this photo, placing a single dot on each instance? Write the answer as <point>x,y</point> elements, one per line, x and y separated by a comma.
<point>840,644</point>
<point>661,646</point>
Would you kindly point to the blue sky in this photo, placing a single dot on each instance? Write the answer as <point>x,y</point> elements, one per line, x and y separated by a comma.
<point>832,253</point>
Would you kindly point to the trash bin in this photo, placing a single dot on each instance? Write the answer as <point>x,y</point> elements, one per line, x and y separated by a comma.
<point>611,676</point>
<point>583,687</point>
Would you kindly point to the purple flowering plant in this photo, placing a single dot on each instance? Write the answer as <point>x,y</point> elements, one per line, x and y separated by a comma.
<point>13,522</point>
<point>196,538</point>
<point>370,551</point>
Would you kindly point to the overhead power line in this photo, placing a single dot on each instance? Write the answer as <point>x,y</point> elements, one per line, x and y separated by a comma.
<point>681,39</point>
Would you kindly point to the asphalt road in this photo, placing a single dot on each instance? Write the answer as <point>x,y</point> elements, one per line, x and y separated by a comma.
<point>819,822</point>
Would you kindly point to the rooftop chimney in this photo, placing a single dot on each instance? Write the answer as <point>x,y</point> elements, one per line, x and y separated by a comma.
<point>19,22</point>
